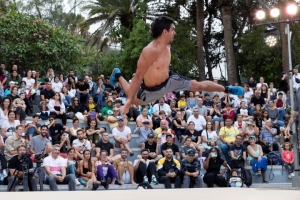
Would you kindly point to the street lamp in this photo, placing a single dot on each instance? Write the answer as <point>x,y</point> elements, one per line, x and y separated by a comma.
<point>269,36</point>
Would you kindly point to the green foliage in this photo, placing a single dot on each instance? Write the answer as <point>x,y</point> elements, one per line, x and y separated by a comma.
<point>34,44</point>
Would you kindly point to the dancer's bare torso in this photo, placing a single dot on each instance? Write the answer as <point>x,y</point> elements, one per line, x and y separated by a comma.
<point>158,71</point>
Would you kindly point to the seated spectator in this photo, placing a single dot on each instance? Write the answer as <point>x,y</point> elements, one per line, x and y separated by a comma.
<point>16,171</point>
<point>179,126</point>
<point>87,171</point>
<point>217,117</point>
<point>152,148</point>
<point>202,110</point>
<point>65,97</point>
<point>237,152</point>
<point>249,130</point>
<point>81,144</point>
<point>182,101</point>
<point>170,144</point>
<point>168,170</point>
<point>19,106</point>
<point>226,100</point>
<point>113,119</point>
<point>257,118</point>
<point>237,103</point>
<point>9,126</point>
<point>57,85</point>
<point>198,120</point>
<point>82,90</point>
<point>287,156</point>
<point>274,114</point>
<point>105,145</point>
<point>235,180</point>
<point>267,139</point>
<point>122,135</point>
<point>75,107</point>
<point>169,97</point>
<point>133,112</point>
<point>207,102</point>
<point>14,77</point>
<point>188,145</point>
<point>143,133</point>
<point>3,160</point>
<point>106,173</point>
<point>227,136</point>
<point>99,93</point>
<point>9,89</point>
<point>4,109</point>
<point>195,136</point>
<point>55,128</point>
<point>46,94</point>
<point>73,167</point>
<point>144,117</point>
<point>93,132</point>
<point>173,108</point>
<point>228,112</point>
<point>212,165</point>
<point>256,159</point>
<point>73,130</point>
<point>124,167</point>
<point>209,137</point>
<point>14,93</point>
<point>145,169</point>
<point>39,143</point>
<point>107,110</point>
<point>57,108</point>
<point>257,99</point>
<point>162,116</point>
<point>239,123</point>
<point>64,144</point>
<point>190,169</point>
<point>163,135</point>
<point>55,168</point>
<point>156,111</point>
<point>265,93</point>
<point>90,106</point>
<point>163,125</point>
<point>243,110</point>
<point>33,128</point>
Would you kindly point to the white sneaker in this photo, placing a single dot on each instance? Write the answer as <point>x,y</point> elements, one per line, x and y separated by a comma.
<point>4,174</point>
<point>89,185</point>
<point>292,174</point>
<point>77,182</point>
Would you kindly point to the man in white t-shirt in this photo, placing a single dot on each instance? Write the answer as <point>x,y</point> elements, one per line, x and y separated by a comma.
<point>8,128</point>
<point>122,135</point>
<point>55,168</point>
<point>161,105</point>
<point>198,120</point>
<point>80,144</point>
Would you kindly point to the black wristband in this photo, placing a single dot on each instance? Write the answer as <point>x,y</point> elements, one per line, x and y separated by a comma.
<point>226,89</point>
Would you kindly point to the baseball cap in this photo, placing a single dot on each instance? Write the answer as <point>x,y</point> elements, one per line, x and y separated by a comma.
<point>146,122</point>
<point>121,118</point>
<point>191,152</point>
<point>11,82</point>
<point>253,137</point>
<point>150,135</point>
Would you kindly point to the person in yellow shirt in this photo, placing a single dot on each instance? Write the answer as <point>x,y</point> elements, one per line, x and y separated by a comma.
<point>163,125</point>
<point>227,136</point>
<point>182,101</point>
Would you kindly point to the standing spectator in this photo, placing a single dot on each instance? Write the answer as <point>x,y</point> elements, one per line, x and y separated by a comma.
<point>87,171</point>
<point>296,79</point>
<point>9,126</point>
<point>212,165</point>
<point>190,169</point>
<point>105,170</point>
<point>81,144</point>
<point>145,169</point>
<point>57,108</point>
<point>227,136</point>
<point>143,133</point>
<point>170,144</point>
<point>55,168</point>
<point>46,94</point>
<point>82,90</point>
<point>283,85</point>
<point>168,169</point>
<point>13,142</point>
<point>125,168</point>
<point>122,135</point>
<point>199,120</point>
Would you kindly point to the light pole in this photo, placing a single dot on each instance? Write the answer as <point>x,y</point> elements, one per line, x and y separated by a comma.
<point>270,40</point>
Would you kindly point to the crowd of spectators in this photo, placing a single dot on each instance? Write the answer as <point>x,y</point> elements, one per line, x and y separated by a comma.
<point>177,134</point>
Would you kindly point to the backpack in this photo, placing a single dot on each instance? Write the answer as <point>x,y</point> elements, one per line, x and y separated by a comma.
<point>274,158</point>
<point>44,115</point>
<point>247,177</point>
<point>144,186</point>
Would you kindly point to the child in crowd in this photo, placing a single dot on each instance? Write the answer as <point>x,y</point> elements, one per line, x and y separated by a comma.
<point>235,181</point>
<point>163,134</point>
<point>288,159</point>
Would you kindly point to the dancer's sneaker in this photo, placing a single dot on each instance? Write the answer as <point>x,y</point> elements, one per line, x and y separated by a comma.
<point>235,90</point>
<point>114,77</point>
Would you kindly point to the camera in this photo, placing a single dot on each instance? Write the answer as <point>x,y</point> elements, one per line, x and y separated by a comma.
<point>25,158</point>
<point>38,157</point>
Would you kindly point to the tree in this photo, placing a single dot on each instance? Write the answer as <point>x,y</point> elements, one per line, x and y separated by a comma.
<point>34,44</point>
<point>225,7</point>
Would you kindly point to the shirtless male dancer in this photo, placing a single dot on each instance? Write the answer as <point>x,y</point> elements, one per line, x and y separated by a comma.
<point>153,79</point>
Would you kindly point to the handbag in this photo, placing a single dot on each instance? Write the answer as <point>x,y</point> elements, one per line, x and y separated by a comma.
<point>71,115</point>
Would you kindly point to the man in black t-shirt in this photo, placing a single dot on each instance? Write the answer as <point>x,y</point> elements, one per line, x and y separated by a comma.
<point>237,151</point>
<point>15,169</point>
<point>82,90</point>
<point>106,145</point>
<point>169,143</point>
<point>55,129</point>
<point>152,148</point>
<point>46,94</point>
<point>257,99</point>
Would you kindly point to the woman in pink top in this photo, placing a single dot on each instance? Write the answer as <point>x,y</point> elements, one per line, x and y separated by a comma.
<point>288,159</point>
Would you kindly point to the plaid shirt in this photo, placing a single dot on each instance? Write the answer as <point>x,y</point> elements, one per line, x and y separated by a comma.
<point>267,136</point>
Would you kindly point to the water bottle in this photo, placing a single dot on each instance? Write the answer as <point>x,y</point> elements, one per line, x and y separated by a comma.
<point>1,179</point>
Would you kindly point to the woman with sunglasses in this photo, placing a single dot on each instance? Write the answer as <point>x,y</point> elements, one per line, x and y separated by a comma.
<point>75,107</point>
<point>209,137</point>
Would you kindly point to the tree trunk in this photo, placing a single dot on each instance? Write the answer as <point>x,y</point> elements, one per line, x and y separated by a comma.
<point>284,47</point>
<point>225,7</point>
<point>200,27</point>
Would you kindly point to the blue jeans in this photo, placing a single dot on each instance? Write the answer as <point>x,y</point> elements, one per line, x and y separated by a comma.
<point>67,101</point>
<point>99,98</point>
<point>282,114</point>
<point>225,149</point>
<point>31,131</point>
<point>82,97</point>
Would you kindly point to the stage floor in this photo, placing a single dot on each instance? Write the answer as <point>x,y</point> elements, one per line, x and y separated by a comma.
<point>159,194</point>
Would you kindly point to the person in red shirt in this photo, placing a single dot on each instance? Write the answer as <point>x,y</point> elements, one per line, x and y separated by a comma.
<point>228,112</point>
<point>288,159</point>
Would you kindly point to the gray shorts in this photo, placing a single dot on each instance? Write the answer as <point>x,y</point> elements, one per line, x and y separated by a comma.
<point>175,83</point>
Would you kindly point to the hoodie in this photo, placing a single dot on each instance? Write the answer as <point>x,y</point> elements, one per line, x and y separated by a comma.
<point>107,110</point>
